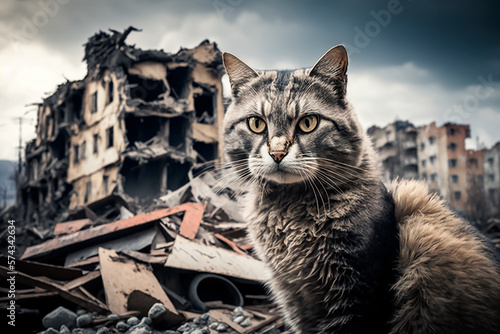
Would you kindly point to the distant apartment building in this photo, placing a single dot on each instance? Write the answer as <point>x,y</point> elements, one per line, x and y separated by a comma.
<point>396,144</point>
<point>492,177</point>
<point>444,161</point>
<point>131,129</point>
<point>437,155</point>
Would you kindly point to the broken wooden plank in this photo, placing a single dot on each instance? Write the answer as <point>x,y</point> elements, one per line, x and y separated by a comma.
<point>146,258</point>
<point>230,243</point>
<point>85,263</point>
<point>71,226</point>
<point>42,269</point>
<point>122,276</point>
<point>82,280</point>
<point>75,240</point>
<point>45,284</point>
<point>225,316</point>
<point>191,255</point>
<point>34,295</point>
<point>191,222</point>
<point>260,324</point>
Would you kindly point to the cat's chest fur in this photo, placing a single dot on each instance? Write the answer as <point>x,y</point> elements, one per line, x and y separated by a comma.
<point>322,266</point>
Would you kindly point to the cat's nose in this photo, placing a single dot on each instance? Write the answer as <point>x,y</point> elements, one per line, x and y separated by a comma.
<point>278,156</point>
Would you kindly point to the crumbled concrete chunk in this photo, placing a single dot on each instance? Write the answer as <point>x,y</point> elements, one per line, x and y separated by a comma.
<point>60,316</point>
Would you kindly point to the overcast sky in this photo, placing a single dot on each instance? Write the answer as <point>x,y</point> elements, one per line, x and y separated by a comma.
<point>418,60</point>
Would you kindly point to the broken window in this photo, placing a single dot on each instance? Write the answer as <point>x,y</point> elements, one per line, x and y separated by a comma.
<point>177,131</point>
<point>87,191</point>
<point>60,115</point>
<point>145,89</point>
<point>93,103</point>
<point>204,107</point>
<point>142,129</point>
<point>96,138</point>
<point>178,79</point>
<point>83,148</point>
<point>206,152</point>
<point>109,135</point>
<point>105,180</point>
<point>111,91</point>
<point>143,180</point>
<point>177,174</point>
<point>74,106</point>
<point>76,154</point>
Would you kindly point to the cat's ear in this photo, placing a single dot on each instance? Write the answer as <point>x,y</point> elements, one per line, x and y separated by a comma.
<point>239,73</point>
<point>332,67</point>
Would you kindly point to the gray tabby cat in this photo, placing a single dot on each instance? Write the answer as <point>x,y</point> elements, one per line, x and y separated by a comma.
<point>339,247</point>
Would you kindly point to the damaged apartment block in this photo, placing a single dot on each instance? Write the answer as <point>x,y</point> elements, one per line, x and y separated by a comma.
<point>130,130</point>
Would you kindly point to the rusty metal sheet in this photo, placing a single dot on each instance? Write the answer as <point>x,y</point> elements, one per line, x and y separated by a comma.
<point>192,255</point>
<point>191,222</point>
<point>42,269</point>
<point>71,226</point>
<point>230,243</point>
<point>122,276</point>
<point>75,240</point>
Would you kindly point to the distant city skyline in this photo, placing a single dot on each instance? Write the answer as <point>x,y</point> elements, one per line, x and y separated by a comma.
<point>411,60</point>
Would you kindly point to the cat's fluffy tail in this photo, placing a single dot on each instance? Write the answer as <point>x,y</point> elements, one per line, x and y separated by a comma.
<point>448,281</point>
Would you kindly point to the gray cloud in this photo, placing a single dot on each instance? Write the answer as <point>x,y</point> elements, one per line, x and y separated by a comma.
<point>441,47</point>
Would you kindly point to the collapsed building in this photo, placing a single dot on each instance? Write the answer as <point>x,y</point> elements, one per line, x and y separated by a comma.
<point>130,130</point>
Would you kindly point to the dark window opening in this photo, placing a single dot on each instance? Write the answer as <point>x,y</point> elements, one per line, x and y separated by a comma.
<point>96,142</point>
<point>473,162</point>
<point>105,181</point>
<point>141,129</point>
<point>432,159</point>
<point>93,103</point>
<point>143,180</point>
<point>458,195</point>
<point>452,131</point>
<point>177,175</point>
<point>206,152</point>
<point>491,162</point>
<point>74,107</point>
<point>178,79</point>
<point>452,146</point>
<point>177,131</point>
<point>424,176</point>
<point>61,115</point>
<point>452,162</point>
<point>111,91</point>
<point>432,140</point>
<point>424,162</point>
<point>76,154</point>
<point>109,135</point>
<point>422,146</point>
<point>83,148</point>
<point>434,177</point>
<point>145,89</point>
<point>87,191</point>
<point>454,178</point>
<point>204,107</point>
<point>59,145</point>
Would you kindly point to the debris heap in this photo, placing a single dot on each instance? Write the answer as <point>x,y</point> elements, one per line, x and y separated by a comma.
<point>185,268</point>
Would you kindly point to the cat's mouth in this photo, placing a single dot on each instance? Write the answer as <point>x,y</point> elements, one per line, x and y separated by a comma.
<point>284,177</point>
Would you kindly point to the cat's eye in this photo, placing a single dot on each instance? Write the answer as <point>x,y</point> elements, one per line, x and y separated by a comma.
<point>256,124</point>
<point>308,124</point>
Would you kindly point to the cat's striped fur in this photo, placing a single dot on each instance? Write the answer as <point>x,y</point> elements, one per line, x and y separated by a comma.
<point>342,257</point>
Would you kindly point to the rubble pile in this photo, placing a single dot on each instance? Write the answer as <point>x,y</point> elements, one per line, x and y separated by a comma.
<point>184,267</point>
